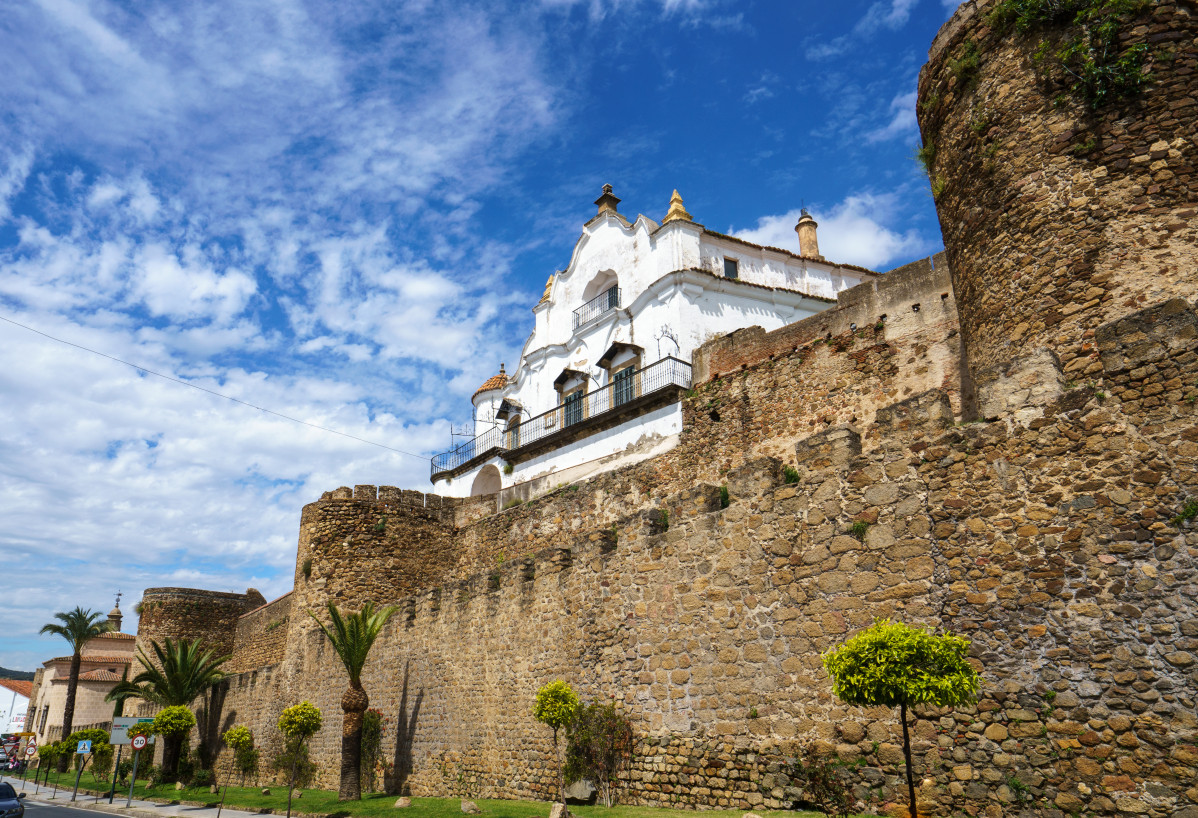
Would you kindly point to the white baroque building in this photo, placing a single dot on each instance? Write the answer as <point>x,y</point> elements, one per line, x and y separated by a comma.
<point>601,376</point>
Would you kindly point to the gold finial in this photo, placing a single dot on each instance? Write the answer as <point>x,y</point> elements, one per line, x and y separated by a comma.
<point>676,211</point>
<point>548,287</point>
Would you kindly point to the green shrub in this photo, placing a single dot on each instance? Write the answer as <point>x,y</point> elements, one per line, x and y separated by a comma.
<point>820,778</point>
<point>305,767</point>
<point>725,500</point>
<point>599,745</point>
<point>202,778</point>
<point>101,761</point>
<point>859,528</point>
<point>790,474</point>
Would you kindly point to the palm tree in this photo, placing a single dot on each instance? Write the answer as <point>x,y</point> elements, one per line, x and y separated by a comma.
<point>352,637</point>
<point>182,673</point>
<point>78,627</point>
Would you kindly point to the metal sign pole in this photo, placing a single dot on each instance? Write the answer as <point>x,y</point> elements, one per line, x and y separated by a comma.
<point>133,783</point>
<point>115,768</point>
<point>78,775</point>
<point>37,776</point>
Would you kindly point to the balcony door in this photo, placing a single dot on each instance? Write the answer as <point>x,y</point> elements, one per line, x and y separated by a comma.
<point>573,407</point>
<point>624,386</point>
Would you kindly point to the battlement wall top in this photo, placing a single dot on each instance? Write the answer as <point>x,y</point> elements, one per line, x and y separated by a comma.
<point>904,300</point>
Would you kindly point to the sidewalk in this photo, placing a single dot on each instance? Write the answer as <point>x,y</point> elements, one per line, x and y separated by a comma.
<point>140,809</point>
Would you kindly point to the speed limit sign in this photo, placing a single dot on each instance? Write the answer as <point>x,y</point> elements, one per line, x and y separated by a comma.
<point>31,749</point>
<point>139,742</point>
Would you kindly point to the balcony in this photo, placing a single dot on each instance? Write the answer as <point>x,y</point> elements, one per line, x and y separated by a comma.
<point>607,300</point>
<point>627,396</point>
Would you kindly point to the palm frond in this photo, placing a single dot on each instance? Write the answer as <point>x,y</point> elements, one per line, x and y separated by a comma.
<point>182,672</point>
<point>352,636</point>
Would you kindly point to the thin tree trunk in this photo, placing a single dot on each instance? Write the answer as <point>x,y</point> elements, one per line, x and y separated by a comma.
<point>68,712</point>
<point>353,703</point>
<point>561,775</point>
<point>907,755</point>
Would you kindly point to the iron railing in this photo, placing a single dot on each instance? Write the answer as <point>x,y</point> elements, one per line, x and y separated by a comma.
<point>624,389</point>
<point>607,300</point>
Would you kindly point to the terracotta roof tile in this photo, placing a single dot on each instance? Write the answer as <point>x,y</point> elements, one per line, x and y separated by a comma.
<point>20,686</point>
<point>100,675</point>
<point>494,382</point>
<point>116,635</point>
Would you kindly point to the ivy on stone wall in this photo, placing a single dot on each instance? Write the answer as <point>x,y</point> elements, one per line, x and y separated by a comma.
<point>1087,55</point>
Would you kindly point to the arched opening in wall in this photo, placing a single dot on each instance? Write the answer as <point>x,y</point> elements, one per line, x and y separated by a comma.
<point>601,283</point>
<point>488,481</point>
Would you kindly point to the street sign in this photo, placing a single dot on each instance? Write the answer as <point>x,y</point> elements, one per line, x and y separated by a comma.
<point>121,725</point>
<point>84,748</point>
<point>30,750</point>
<point>139,742</point>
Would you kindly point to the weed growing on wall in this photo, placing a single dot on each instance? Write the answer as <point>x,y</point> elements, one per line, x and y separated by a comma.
<point>1087,55</point>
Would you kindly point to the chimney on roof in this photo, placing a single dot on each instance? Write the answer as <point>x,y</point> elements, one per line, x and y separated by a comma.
<point>607,202</point>
<point>808,243</point>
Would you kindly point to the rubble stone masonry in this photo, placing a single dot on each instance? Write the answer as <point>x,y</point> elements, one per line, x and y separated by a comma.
<point>1007,449</point>
<point>1058,218</point>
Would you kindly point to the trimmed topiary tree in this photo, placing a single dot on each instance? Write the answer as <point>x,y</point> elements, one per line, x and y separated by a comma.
<point>240,740</point>
<point>297,723</point>
<point>555,706</point>
<point>173,724</point>
<point>896,665</point>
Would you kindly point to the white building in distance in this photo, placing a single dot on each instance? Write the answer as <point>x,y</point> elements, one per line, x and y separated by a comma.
<point>600,378</point>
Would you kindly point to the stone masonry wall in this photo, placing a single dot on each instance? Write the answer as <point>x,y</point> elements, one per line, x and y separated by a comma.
<point>188,613</point>
<point>1058,546</point>
<point>1058,218</point>
<point>261,636</point>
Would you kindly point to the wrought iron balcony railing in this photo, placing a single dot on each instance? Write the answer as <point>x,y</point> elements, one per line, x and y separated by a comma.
<point>627,387</point>
<point>607,300</point>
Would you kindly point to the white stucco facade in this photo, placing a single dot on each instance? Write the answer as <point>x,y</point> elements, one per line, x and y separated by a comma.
<point>676,285</point>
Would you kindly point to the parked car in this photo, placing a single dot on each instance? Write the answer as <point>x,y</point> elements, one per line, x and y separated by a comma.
<point>11,805</point>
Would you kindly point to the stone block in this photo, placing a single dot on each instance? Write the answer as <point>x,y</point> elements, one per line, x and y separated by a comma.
<point>834,447</point>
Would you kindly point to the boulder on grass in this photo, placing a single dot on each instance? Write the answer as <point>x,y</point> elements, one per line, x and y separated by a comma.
<point>178,785</point>
<point>297,794</point>
<point>470,808</point>
<point>403,802</point>
<point>213,789</point>
<point>559,811</point>
<point>266,790</point>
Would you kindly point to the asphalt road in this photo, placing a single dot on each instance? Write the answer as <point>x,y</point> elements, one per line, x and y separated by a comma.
<point>33,809</point>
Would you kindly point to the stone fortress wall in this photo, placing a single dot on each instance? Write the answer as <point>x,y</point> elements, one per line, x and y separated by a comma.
<point>1009,493</point>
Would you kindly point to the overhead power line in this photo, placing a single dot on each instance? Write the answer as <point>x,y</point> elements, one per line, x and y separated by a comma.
<point>209,391</point>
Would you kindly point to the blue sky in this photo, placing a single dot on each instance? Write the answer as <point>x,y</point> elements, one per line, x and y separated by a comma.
<point>343,212</point>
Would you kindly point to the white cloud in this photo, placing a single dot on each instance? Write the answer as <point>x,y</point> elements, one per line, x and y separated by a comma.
<point>855,231</point>
<point>13,173</point>
<point>902,122</point>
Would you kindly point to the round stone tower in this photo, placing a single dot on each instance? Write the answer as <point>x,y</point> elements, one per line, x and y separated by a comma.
<point>190,613</point>
<point>1066,190</point>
